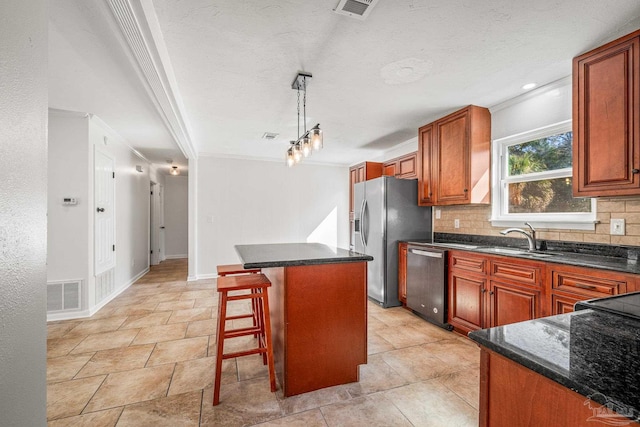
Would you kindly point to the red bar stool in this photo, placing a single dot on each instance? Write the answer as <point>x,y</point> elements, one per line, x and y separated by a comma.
<point>257,284</point>
<point>233,269</point>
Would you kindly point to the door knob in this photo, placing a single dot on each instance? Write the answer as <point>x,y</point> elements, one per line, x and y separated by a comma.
<point>100,209</point>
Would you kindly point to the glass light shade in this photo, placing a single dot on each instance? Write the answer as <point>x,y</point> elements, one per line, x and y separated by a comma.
<point>316,138</point>
<point>290,160</point>
<point>174,170</point>
<point>306,146</point>
<point>297,153</point>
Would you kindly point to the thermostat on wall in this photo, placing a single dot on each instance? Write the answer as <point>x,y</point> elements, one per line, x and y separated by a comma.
<point>69,201</point>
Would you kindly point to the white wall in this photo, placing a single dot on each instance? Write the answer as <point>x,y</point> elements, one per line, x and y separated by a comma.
<point>68,225</point>
<point>406,147</point>
<point>544,106</point>
<point>176,198</point>
<point>73,138</point>
<point>132,204</point>
<point>23,209</point>
<point>249,201</point>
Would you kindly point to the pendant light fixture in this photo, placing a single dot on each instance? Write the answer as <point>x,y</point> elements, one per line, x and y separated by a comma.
<point>310,140</point>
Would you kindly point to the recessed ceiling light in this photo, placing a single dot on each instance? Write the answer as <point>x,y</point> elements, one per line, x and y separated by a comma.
<point>529,86</point>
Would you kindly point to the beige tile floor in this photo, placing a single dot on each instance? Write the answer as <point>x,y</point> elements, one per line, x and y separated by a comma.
<point>147,359</point>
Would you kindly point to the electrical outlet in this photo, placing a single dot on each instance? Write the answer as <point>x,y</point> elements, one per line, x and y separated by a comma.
<point>617,227</point>
<point>438,213</point>
<point>456,223</point>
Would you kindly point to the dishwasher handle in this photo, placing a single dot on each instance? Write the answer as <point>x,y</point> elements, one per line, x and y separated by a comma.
<point>425,253</point>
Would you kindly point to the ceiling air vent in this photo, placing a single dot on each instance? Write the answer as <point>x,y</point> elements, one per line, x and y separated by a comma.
<point>358,9</point>
<point>269,135</point>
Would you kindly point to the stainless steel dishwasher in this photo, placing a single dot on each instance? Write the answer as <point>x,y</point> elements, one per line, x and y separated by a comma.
<point>427,283</point>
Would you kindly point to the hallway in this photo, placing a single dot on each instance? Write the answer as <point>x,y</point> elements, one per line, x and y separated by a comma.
<point>146,359</point>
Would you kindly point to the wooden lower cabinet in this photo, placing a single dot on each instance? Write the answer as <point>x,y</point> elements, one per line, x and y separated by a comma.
<point>514,396</point>
<point>570,284</point>
<point>563,303</point>
<point>402,273</point>
<point>509,290</point>
<point>511,304</point>
<point>486,291</point>
<point>466,301</point>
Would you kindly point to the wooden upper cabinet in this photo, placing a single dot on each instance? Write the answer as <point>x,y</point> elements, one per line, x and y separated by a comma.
<point>426,153</point>
<point>389,169</point>
<point>455,159</point>
<point>403,167</point>
<point>362,172</point>
<point>606,113</point>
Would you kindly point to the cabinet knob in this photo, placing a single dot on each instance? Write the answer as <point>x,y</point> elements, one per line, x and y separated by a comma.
<point>635,170</point>
<point>483,290</point>
<point>490,292</point>
<point>465,190</point>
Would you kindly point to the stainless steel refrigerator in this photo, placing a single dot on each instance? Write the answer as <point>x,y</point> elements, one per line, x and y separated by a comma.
<point>386,212</point>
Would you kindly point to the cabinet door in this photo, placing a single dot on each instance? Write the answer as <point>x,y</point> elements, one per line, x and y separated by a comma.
<point>453,159</point>
<point>389,169</point>
<point>426,154</point>
<point>561,304</point>
<point>402,273</point>
<point>362,173</point>
<point>511,304</point>
<point>407,166</point>
<point>606,113</point>
<point>466,306</point>
<point>353,178</point>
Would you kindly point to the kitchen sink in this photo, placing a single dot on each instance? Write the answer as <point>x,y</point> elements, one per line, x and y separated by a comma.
<point>508,251</point>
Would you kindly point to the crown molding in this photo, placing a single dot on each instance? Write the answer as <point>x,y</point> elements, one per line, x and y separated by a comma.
<point>140,31</point>
<point>563,82</point>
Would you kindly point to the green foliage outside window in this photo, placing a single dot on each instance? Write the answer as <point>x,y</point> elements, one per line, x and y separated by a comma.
<point>547,195</point>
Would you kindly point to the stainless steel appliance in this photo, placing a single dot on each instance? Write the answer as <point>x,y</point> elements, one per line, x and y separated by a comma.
<point>427,283</point>
<point>386,212</point>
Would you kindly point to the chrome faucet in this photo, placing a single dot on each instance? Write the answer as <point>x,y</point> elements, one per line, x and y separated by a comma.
<point>531,237</point>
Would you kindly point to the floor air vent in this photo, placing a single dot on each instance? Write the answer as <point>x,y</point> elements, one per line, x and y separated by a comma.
<point>64,296</point>
<point>358,9</point>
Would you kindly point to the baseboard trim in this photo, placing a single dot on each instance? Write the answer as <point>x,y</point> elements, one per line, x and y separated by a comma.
<point>179,256</point>
<point>207,276</point>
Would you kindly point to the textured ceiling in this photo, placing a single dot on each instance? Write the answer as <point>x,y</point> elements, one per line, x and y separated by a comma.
<point>374,81</point>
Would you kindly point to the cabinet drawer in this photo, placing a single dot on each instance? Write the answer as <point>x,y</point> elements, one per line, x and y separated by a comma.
<point>589,286</point>
<point>462,261</point>
<point>521,273</point>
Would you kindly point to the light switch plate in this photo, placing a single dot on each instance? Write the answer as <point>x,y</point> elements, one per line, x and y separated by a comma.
<point>438,213</point>
<point>617,227</point>
<point>456,223</point>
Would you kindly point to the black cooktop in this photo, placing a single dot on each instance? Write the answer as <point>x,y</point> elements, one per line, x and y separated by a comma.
<point>625,305</point>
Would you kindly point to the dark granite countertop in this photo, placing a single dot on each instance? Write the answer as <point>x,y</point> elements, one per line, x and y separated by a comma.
<point>291,254</point>
<point>594,353</point>
<point>604,257</point>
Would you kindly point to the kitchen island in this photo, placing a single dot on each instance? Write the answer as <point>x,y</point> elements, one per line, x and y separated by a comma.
<point>572,370</point>
<point>318,308</point>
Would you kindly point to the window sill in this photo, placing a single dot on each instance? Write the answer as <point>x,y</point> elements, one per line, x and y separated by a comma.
<point>586,225</point>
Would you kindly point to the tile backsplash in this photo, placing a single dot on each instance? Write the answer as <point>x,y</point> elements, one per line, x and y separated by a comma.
<point>475,220</point>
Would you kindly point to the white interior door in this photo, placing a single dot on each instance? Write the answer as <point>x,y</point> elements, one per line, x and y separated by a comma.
<point>153,232</point>
<point>161,245</point>
<point>104,213</point>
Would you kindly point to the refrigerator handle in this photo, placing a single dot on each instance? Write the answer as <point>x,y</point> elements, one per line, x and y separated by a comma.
<point>362,223</point>
<point>365,226</point>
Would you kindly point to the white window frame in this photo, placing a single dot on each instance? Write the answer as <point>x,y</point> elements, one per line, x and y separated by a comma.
<point>500,184</point>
